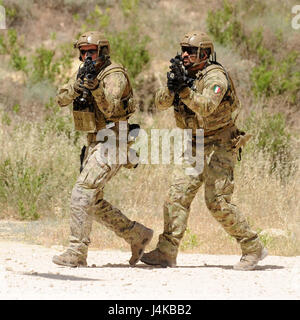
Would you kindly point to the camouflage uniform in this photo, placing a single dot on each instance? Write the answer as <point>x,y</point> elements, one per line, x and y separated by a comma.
<point>110,103</point>
<point>211,102</point>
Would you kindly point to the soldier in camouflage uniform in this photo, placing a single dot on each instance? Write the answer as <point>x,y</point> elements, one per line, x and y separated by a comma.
<point>207,103</point>
<point>111,101</point>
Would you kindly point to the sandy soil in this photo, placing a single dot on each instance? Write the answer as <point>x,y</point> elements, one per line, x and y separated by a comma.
<point>27,272</point>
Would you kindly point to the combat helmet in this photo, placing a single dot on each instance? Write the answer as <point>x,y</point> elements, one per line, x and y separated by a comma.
<point>94,37</point>
<point>198,39</point>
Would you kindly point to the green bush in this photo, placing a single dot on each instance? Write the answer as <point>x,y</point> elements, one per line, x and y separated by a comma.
<point>10,45</point>
<point>20,187</point>
<point>98,19</point>
<point>129,7</point>
<point>277,77</point>
<point>271,75</point>
<point>17,61</point>
<point>44,68</point>
<point>129,49</point>
<point>41,66</point>
<point>224,25</point>
<point>272,137</point>
<point>8,42</point>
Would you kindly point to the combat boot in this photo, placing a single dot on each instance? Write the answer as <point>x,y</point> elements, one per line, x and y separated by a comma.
<point>140,236</point>
<point>156,257</point>
<point>250,261</point>
<point>70,259</point>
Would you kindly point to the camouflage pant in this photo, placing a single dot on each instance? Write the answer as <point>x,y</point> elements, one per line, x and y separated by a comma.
<point>217,177</point>
<point>87,203</point>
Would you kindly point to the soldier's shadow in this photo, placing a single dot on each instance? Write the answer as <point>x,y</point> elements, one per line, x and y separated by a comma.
<point>59,276</point>
<point>148,267</point>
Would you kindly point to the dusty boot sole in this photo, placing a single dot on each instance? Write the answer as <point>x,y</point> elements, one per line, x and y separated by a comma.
<point>57,260</point>
<point>134,260</point>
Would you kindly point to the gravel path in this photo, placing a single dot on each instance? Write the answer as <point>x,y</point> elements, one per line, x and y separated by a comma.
<point>27,272</point>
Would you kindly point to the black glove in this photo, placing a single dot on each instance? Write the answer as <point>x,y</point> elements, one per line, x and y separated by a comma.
<point>173,84</point>
<point>176,78</point>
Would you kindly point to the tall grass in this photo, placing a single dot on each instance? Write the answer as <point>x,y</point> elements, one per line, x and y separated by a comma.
<point>38,166</point>
<point>43,169</point>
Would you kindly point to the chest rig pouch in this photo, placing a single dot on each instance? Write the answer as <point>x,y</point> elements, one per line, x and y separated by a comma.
<point>84,113</point>
<point>184,116</point>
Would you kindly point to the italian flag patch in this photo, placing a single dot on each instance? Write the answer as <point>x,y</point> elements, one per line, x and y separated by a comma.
<point>217,89</point>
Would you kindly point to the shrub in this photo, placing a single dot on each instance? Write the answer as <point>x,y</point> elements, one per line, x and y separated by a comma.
<point>44,68</point>
<point>224,25</point>
<point>277,77</point>
<point>17,61</point>
<point>10,45</point>
<point>129,7</point>
<point>98,19</point>
<point>272,75</point>
<point>272,137</point>
<point>20,186</point>
<point>129,49</point>
<point>39,164</point>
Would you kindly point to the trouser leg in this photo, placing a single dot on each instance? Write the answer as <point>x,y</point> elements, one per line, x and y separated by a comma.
<point>219,186</point>
<point>87,203</point>
<point>176,210</point>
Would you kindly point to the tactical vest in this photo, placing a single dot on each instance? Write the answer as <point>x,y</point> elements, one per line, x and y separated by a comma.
<point>221,117</point>
<point>92,119</point>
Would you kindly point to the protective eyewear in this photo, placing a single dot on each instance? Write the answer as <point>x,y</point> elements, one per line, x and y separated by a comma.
<point>91,51</point>
<point>189,50</point>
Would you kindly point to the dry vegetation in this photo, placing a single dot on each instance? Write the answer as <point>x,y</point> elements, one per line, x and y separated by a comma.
<point>39,160</point>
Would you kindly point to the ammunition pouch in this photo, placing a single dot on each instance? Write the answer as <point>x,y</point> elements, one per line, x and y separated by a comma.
<point>83,113</point>
<point>84,120</point>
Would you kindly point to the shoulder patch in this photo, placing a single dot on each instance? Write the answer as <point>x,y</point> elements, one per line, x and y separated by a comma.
<point>217,89</point>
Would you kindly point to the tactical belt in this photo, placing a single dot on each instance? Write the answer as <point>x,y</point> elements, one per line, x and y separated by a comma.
<point>218,131</point>
<point>92,136</point>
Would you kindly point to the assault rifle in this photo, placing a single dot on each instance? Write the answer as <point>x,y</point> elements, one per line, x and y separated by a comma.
<point>178,78</point>
<point>87,71</point>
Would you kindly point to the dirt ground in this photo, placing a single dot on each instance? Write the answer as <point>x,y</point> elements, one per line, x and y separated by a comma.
<point>27,272</point>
